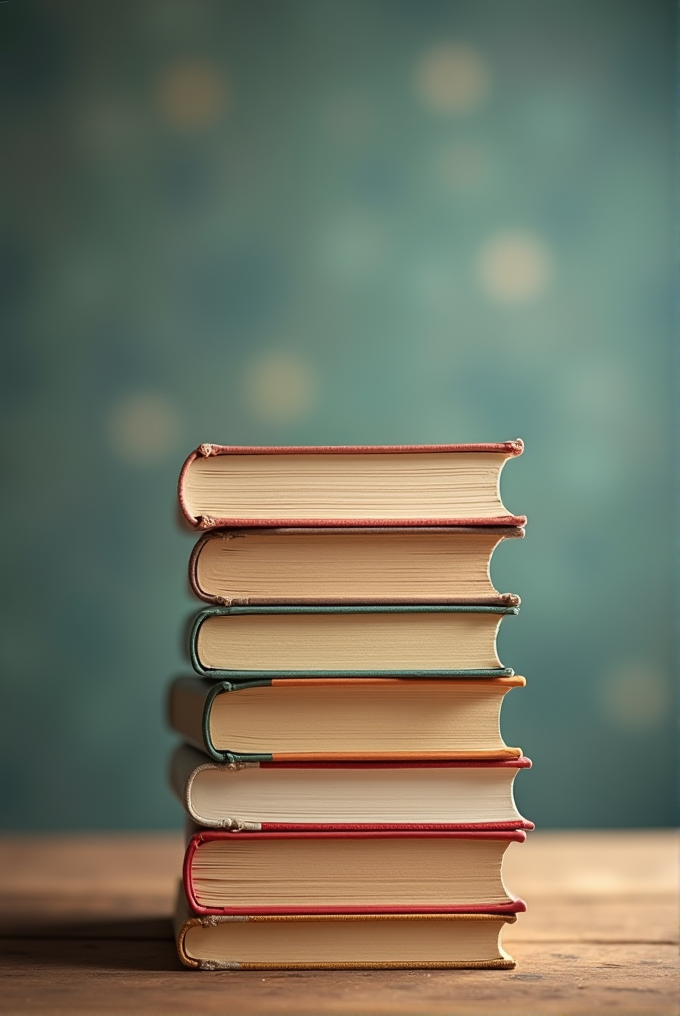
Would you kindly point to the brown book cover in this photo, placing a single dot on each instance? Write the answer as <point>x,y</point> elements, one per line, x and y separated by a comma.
<point>349,565</point>
<point>339,942</point>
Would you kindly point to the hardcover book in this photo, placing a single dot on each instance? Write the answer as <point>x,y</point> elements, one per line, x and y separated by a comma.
<point>242,643</point>
<point>336,942</point>
<point>333,719</point>
<point>271,796</point>
<point>248,873</point>
<point>433,485</point>
<point>412,565</point>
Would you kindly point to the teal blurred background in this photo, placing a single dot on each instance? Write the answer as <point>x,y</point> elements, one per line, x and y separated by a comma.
<point>335,221</point>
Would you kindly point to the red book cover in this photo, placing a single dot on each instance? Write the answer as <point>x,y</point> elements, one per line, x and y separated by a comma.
<point>510,905</point>
<point>205,520</point>
<point>188,768</point>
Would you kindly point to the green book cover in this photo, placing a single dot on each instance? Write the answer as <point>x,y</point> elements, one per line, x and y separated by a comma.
<point>247,643</point>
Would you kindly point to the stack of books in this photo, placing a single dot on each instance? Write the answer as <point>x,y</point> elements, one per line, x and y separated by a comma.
<point>349,792</point>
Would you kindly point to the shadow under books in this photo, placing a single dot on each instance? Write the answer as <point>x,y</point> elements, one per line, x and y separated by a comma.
<point>146,944</point>
<point>143,944</point>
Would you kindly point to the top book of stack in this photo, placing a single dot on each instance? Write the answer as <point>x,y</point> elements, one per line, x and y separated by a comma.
<point>405,485</point>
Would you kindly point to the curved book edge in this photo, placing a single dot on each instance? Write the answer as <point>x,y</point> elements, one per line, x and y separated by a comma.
<point>182,787</point>
<point>514,904</point>
<point>509,448</point>
<point>185,919</point>
<point>233,758</point>
<point>230,533</point>
<point>246,675</point>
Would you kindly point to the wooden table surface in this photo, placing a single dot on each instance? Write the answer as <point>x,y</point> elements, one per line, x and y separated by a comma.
<point>85,928</point>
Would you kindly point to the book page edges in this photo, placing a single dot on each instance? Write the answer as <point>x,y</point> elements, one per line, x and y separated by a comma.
<point>184,919</point>
<point>187,763</point>
<point>492,599</point>
<point>206,522</point>
<point>514,904</point>
<point>336,608</point>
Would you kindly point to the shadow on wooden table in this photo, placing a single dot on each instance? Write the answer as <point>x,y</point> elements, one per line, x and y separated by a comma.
<point>139,944</point>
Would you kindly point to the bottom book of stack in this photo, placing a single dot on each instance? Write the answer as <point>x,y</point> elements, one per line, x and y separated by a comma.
<point>333,941</point>
<point>350,898</point>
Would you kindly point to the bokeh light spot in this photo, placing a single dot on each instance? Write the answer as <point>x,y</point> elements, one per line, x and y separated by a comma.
<point>191,95</point>
<point>514,267</point>
<point>451,79</point>
<point>636,696</point>
<point>280,386</point>
<point>143,428</point>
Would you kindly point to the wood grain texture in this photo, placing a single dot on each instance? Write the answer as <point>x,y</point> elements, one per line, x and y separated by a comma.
<point>85,928</point>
